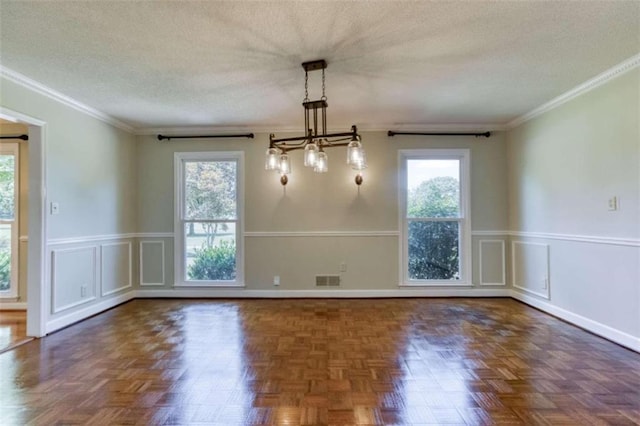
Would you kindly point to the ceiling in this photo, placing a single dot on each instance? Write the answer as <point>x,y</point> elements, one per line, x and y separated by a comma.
<point>237,64</point>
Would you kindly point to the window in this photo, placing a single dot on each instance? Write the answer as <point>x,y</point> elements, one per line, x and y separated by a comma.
<point>9,220</point>
<point>208,226</point>
<point>434,209</point>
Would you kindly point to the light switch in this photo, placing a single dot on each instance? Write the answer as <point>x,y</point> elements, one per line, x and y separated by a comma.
<point>613,203</point>
<point>55,208</point>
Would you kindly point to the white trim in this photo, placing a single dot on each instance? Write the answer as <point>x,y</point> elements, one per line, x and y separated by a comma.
<point>154,235</point>
<point>85,313</point>
<point>274,234</point>
<point>464,219</point>
<point>35,86</point>
<point>89,239</point>
<point>503,259</point>
<point>179,159</point>
<point>13,306</point>
<point>490,233</point>
<point>275,294</point>
<point>129,284</point>
<point>632,242</point>
<point>595,327</point>
<point>581,89</point>
<point>141,263</point>
<point>56,309</point>
<point>514,269</point>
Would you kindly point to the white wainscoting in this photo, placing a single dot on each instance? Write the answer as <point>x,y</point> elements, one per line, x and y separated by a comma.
<point>146,267</point>
<point>530,266</point>
<point>492,258</point>
<point>116,267</point>
<point>73,269</point>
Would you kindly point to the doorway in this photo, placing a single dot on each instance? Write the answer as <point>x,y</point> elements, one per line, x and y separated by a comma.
<point>23,221</point>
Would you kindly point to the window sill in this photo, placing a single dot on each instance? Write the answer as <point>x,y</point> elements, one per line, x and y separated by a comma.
<point>210,284</point>
<point>436,284</point>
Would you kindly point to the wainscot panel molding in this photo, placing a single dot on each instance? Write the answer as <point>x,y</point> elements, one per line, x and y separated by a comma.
<point>490,233</point>
<point>332,294</point>
<point>595,327</point>
<point>73,317</point>
<point>540,252</point>
<point>123,286</point>
<point>322,234</point>
<point>90,281</point>
<point>632,242</point>
<point>142,265</point>
<point>89,239</point>
<point>503,262</point>
<point>155,235</point>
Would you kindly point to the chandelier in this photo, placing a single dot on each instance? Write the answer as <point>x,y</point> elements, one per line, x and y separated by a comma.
<point>316,139</point>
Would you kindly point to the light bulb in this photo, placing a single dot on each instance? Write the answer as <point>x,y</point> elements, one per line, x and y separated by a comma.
<point>271,161</point>
<point>310,154</point>
<point>354,152</point>
<point>322,163</point>
<point>285,165</point>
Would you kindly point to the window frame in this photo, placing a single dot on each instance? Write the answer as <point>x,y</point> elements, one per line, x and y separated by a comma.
<point>180,158</point>
<point>464,219</point>
<point>13,148</point>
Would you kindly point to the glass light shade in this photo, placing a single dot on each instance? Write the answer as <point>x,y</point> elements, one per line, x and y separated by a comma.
<point>310,154</point>
<point>285,165</point>
<point>361,164</point>
<point>271,161</point>
<point>354,152</point>
<point>322,163</point>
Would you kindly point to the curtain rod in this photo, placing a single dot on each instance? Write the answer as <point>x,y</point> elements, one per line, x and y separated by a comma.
<point>22,137</point>
<point>477,135</point>
<point>245,135</point>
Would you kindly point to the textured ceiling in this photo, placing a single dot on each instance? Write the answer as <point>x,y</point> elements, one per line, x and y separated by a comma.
<point>228,64</point>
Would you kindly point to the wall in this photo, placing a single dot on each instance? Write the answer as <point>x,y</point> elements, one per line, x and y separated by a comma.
<point>284,226</point>
<point>90,173</point>
<point>564,166</point>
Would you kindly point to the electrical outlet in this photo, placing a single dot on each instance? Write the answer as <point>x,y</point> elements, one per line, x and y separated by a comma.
<point>343,267</point>
<point>276,280</point>
<point>83,291</point>
<point>545,283</point>
<point>55,208</point>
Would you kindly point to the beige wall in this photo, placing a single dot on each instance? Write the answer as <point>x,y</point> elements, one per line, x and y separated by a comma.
<point>563,167</point>
<point>90,172</point>
<point>329,202</point>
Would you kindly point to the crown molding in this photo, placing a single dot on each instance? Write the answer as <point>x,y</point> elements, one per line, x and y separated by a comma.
<point>581,89</point>
<point>35,86</point>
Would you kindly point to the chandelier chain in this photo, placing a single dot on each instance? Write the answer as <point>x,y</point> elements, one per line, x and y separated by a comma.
<point>306,86</point>
<point>324,97</point>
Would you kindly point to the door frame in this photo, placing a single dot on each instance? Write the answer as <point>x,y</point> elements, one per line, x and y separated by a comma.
<point>38,298</point>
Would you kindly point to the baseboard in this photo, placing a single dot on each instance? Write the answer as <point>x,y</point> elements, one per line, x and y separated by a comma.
<point>609,333</point>
<point>13,306</point>
<point>73,317</point>
<point>331,294</point>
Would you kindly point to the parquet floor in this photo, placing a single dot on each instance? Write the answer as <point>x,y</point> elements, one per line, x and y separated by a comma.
<point>13,329</point>
<point>337,362</point>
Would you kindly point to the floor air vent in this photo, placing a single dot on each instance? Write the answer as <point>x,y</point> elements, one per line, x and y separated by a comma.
<point>327,280</point>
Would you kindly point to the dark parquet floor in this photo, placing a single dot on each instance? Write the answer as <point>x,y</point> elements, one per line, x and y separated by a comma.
<point>336,362</point>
